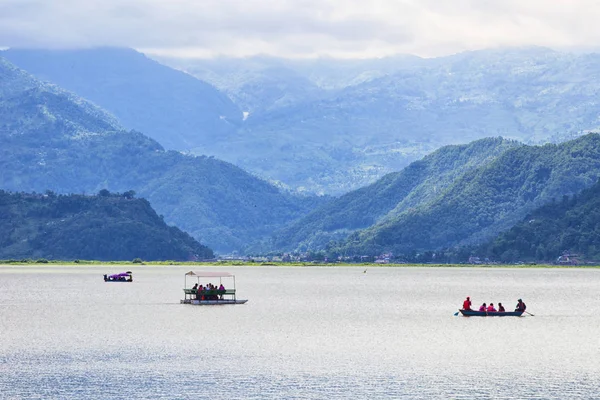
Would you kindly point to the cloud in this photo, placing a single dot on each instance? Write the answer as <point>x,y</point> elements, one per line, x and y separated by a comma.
<point>299,28</point>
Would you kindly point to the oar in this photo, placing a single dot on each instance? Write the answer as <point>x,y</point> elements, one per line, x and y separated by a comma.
<point>530,313</point>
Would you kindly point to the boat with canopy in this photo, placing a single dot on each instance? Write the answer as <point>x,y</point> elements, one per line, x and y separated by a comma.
<point>198,295</point>
<point>122,277</point>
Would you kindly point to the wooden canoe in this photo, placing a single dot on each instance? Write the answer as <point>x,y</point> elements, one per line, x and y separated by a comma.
<point>473,313</point>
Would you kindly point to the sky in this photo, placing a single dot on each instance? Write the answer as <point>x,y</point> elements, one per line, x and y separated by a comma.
<point>300,28</point>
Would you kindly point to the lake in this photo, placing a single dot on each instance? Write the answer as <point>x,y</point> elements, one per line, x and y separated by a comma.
<point>305,333</point>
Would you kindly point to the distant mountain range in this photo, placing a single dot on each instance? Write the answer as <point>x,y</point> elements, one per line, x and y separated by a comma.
<point>457,197</point>
<point>172,107</point>
<point>376,116</point>
<point>261,83</point>
<point>52,139</point>
<point>76,227</point>
<point>326,125</point>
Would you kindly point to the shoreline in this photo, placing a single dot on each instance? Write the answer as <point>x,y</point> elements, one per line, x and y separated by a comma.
<point>51,263</point>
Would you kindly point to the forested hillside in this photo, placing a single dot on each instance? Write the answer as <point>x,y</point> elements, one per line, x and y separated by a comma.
<point>418,184</point>
<point>105,227</point>
<point>570,224</point>
<point>50,139</point>
<point>174,108</point>
<point>487,200</point>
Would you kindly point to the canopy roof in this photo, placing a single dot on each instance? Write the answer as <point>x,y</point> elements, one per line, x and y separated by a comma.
<point>209,274</point>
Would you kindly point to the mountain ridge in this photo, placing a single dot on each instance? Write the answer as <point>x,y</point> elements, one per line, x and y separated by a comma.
<point>393,194</point>
<point>108,227</point>
<point>571,226</point>
<point>137,90</point>
<point>47,141</point>
<point>488,200</point>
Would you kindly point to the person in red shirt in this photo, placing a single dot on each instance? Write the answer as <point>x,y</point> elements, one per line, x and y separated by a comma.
<point>467,304</point>
<point>491,308</point>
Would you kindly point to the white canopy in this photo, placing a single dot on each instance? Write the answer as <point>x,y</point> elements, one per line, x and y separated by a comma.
<point>207,274</point>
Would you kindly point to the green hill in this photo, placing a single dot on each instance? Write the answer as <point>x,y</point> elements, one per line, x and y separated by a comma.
<point>486,200</point>
<point>172,107</point>
<point>50,139</point>
<point>107,227</point>
<point>571,224</point>
<point>418,184</point>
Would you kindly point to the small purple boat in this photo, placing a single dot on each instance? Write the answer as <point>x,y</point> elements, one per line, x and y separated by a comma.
<point>122,277</point>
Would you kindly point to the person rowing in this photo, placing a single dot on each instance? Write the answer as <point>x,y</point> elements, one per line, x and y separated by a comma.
<point>520,306</point>
<point>467,304</point>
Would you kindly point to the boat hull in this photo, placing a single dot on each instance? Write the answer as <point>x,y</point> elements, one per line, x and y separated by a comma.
<point>472,313</point>
<point>212,302</point>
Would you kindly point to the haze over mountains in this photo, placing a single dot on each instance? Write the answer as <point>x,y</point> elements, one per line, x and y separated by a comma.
<point>309,125</point>
<point>172,107</point>
<point>377,116</point>
<point>52,139</point>
<point>330,126</point>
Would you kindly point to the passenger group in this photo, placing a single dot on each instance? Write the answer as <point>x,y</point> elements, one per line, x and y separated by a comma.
<point>490,308</point>
<point>209,292</point>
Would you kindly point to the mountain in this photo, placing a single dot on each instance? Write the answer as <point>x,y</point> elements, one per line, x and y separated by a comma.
<point>107,227</point>
<point>332,126</point>
<point>261,83</point>
<point>486,200</point>
<point>255,84</point>
<point>172,107</point>
<point>571,224</point>
<point>51,139</point>
<point>418,184</point>
<point>376,117</point>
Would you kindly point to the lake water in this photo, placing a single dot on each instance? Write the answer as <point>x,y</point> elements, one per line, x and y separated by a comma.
<point>305,333</point>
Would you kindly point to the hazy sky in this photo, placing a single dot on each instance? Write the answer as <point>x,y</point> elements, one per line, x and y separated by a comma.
<point>300,28</point>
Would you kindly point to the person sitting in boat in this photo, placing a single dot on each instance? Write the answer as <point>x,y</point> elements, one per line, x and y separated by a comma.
<point>195,287</point>
<point>491,308</point>
<point>520,306</point>
<point>483,307</point>
<point>211,289</point>
<point>501,308</point>
<point>199,294</point>
<point>208,289</point>
<point>221,291</point>
<point>467,304</point>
